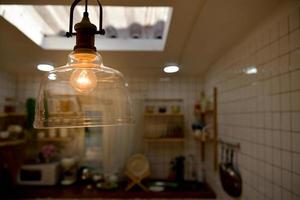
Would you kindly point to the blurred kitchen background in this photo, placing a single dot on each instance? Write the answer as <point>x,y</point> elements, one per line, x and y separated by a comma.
<point>237,88</point>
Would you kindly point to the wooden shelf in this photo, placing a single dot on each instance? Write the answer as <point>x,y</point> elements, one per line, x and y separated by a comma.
<point>11,143</point>
<point>208,112</point>
<point>213,141</point>
<point>163,115</point>
<point>164,139</point>
<point>53,139</point>
<point>198,138</point>
<point>12,114</point>
<point>164,99</point>
<point>65,113</point>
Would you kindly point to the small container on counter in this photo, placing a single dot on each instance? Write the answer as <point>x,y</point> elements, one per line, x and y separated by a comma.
<point>9,105</point>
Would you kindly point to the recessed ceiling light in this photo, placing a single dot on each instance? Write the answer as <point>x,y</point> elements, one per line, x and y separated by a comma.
<point>52,77</point>
<point>171,69</point>
<point>45,67</point>
<point>251,70</point>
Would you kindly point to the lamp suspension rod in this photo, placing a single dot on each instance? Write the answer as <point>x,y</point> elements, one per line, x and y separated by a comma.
<point>86,5</point>
<point>101,31</point>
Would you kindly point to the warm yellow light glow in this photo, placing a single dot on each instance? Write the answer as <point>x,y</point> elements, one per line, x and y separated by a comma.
<point>84,57</point>
<point>83,80</point>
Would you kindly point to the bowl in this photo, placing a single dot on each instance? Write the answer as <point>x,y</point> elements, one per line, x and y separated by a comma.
<point>4,135</point>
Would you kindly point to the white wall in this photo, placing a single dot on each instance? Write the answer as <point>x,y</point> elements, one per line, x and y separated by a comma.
<point>7,88</point>
<point>262,111</point>
<point>27,87</point>
<point>160,154</point>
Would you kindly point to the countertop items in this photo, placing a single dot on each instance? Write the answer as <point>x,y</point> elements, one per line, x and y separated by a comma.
<point>188,190</point>
<point>137,169</point>
<point>69,168</point>
<point>177,169</point>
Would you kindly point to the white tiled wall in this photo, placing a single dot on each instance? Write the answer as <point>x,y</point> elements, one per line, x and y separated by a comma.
<point>27,87</point>
<point>262,111</point>
<point>7,88</point>
<point>160,154</point>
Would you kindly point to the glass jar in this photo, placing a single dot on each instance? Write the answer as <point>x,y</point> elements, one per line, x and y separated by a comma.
<point>9,105</point>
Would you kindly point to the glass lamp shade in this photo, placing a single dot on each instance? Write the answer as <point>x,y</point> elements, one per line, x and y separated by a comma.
<point>83,93</point>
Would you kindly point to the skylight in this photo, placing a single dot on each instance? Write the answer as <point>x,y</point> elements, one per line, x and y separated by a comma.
<point>127,28</point>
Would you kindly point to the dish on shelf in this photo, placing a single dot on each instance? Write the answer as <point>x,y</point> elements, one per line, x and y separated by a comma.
<point>107,186</point>
<point>137,165</point>
<point>155,188</point>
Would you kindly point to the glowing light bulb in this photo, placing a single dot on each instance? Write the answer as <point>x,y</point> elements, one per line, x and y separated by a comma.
<point>83,80</point>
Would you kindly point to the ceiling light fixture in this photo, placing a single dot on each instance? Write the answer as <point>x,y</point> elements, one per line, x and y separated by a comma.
<point>45,67</point>
<point>52,77</point>
<point>171,69</point>
<point>250,70</point>
<point>84,92</point>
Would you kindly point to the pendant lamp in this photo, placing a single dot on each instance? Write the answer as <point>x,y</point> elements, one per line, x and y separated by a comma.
<point>84,92</point>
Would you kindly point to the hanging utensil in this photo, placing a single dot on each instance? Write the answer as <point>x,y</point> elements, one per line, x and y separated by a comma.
<point>232,181</point>
<point>222,166</point>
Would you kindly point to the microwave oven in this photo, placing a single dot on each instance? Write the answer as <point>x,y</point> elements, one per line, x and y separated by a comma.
<point>39,174</point>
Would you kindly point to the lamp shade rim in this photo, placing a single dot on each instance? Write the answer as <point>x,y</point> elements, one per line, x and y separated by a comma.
<point>75,97</point>
<point>44,124</point>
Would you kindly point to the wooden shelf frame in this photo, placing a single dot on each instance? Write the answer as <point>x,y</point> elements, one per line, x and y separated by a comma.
<point>214,141</point>
<point>163,99</point>
<point>56,139</point>
<point>215,128</point>
<point>13,114</point>
<point>161,136</point>
<point>9,143</point>
<point>164,139</point>
<point>164,115</point>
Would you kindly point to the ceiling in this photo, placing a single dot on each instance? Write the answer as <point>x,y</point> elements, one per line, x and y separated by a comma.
<point>134,28</point>
<point>200,32</point>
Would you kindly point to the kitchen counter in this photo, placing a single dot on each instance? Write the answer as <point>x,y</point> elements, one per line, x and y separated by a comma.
<point>190,190</point>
